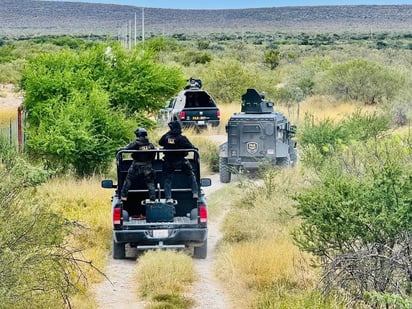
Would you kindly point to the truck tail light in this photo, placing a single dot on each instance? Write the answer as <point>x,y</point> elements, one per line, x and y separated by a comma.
<point>117,216</point>
<point>218,114</point>
<point>203,214</point>
<point>182,115</point>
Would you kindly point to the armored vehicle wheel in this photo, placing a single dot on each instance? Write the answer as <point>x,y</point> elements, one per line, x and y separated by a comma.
<point>119,251</point>
<point>293,157</point>
<point>283,162</point>
<point>224,171</point>
<point>200,252</point>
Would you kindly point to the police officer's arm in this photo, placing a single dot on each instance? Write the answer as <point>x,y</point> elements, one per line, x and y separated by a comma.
<point>186,144</point>
<point>162,141</point>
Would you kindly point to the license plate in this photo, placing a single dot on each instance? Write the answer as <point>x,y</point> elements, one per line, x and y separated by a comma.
<point>201,122</point>
<point>160,233</point>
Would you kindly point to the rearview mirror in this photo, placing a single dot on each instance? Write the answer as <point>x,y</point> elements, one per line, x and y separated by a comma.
<point>108,184</point>
<point>205,182</point>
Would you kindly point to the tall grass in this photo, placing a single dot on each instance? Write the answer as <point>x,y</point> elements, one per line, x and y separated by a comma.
<point>163,277</point>
<point>86,203</point>
<point>7,115</point>
<point>258,259</point>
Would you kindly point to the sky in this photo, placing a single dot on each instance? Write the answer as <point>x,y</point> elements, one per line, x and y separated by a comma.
<point>238,4</point>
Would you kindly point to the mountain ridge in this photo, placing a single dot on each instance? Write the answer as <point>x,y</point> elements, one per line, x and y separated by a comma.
<point>31,18</point>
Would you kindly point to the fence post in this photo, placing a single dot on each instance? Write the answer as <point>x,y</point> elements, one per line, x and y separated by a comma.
<point>19,128</point>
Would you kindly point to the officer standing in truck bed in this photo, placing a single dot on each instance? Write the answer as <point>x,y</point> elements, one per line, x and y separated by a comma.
<point>174,139</point>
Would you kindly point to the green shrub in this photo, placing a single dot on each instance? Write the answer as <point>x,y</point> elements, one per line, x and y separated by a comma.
<point>77,104</point>
<point>327,138</point>
<point>362,80</point>
<point>357,219</point>
<point>38,269</point>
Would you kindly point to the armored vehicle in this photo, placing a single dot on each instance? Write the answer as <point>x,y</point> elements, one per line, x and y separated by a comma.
<point>257,135</point>
<point>144,224</point>
<point>192,107</point>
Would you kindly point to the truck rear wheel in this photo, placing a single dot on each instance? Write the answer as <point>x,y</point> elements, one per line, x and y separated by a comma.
<point>200,252</point>
<point>224,171</point>
<point>293,157</point>
<point>119,250</point>
<point>283,162</point>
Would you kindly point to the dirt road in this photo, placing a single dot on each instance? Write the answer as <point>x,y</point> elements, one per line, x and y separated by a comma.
<point>9,98</point>
<point>121,291</point>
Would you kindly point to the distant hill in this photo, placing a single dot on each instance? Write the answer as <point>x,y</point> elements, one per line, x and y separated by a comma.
<point>32,18</point>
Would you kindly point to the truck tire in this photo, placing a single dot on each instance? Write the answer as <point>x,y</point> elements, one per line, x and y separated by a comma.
<point>293,157</point>
<point>119,250</point>
<point>283,162</point>
<point>224,171</point>
<point>200,252</point>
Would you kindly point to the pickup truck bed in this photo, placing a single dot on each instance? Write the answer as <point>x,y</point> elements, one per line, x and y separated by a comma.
<point>185,227</point>
<point>192,107</point>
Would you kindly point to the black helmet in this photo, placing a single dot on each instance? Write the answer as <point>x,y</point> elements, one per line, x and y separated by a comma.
<point>175,127</point>
<point>141,132</point>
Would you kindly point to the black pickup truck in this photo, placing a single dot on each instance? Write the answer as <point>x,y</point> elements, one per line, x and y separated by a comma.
<point>192,107</point>
<point>159,225</point>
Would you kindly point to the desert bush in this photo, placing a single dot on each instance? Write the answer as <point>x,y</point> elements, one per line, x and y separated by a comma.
<point>39,268</point>
<point>327,137</point>
<point>228,79</point>
<point>400,114</point>
<point>272,58</point>
<point>63,133</point>
<point>362,80</point>
<point>10,72</point>
<point>357,219</point>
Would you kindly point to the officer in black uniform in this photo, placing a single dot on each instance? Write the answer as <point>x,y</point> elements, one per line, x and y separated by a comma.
<point>174,139</point>
<point>141,165</point>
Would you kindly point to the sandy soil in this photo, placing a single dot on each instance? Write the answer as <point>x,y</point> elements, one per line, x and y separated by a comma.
<point>9,97</point>
<point>120,292</point>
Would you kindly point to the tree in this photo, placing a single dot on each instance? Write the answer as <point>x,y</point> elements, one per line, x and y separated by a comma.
<point>83,105</point>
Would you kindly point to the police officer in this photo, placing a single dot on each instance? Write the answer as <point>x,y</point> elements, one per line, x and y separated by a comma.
<point>141,165</point>
<point>174,139</point>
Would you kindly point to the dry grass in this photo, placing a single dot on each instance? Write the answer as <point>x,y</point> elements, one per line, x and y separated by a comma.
<point>164,272</point>
<point>258,259</point>
<point>321,107</point>
<point>253,267</point>
<point>88,205</point>
<point>7,115</point>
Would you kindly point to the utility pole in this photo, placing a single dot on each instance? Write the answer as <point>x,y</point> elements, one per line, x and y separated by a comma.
<point>143,25</point>
<point>135,29</point>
